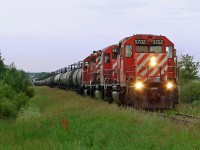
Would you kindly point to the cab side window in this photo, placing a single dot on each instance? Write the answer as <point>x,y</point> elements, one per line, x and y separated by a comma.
<point>129,51</point>
<point>107,58</point>
<point>169,51</point>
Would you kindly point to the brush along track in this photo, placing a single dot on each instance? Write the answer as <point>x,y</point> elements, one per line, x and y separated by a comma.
<point>182,118</point>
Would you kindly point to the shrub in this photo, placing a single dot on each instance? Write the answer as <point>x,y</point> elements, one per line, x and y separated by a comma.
<point>6,91</point>
<point>17,79</point>
<point>11,101</point>
<point>30,92</point>
<point>8,109</point>
<point>21,100</point>
<point>190,92</point>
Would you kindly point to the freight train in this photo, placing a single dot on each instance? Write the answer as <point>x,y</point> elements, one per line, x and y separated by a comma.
<point>140,71</point>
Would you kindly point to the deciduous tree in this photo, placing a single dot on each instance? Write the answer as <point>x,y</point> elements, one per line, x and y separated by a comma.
<point>188,68</point>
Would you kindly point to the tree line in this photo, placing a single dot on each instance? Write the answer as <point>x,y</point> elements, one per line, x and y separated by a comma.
<point>15,90</point>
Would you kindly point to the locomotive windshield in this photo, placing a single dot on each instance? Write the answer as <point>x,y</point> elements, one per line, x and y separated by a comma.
<point>145,49</point>
<point>141,49</point>
<point>156,49</point>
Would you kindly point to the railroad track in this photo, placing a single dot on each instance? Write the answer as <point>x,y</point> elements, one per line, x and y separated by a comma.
<point>188,116</point>
<point>182,118</point>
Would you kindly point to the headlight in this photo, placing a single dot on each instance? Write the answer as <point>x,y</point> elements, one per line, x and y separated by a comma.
<point>153,61</point>
<point>169,85</point>
<point>138,85</point>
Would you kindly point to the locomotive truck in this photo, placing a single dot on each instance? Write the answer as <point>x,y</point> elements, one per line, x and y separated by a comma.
<point>140,71</point>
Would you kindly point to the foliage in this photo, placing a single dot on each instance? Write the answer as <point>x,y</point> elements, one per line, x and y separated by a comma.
<point>190,92</point>
<point>30,92</point>
<point>2,68</point>
<point>10,101</point>
<point>196,103</point>
<point>17,79</point>
<point>189,85</point>
<point>188,68</point>
<point>14,90</point>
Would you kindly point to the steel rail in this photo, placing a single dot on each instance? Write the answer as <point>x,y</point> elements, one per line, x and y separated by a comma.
<point>187,115</point>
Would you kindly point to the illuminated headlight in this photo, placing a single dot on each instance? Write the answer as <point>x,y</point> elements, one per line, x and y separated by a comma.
<point>169,85</point>
<point>153,61</point>
<point>138,85</point>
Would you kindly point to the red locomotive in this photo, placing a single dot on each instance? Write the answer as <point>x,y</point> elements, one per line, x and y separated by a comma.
<point>141,71</point>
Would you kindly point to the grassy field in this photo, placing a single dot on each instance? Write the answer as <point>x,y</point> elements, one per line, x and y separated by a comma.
<point>58,119</point>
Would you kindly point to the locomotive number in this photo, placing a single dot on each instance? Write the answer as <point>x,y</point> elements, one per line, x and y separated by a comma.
<point>114,50</point>
<point>158,42</point>
<point>140,41</point>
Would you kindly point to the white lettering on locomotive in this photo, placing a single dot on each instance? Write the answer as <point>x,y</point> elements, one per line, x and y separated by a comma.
<point>140,42</point>
<point>158,42</point>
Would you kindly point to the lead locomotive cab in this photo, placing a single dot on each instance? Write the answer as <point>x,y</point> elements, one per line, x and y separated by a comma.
<point>148,72</point>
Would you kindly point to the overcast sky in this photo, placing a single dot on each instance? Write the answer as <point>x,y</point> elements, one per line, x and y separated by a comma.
<point>45,35</point>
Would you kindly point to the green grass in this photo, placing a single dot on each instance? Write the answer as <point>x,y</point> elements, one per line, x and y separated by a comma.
<point>92,124</point>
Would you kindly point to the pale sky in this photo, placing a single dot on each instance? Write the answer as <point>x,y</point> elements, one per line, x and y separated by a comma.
<point>46,35</point>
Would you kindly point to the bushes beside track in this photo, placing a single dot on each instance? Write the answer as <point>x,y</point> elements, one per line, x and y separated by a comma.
<point>190,92</point>
<point>10,101</point>
<point>14,90</point>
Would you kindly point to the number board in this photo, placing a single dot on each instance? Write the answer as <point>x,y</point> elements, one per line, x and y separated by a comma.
<point>143,42</point>
<point>114,50</point>
<point>140,42</point>
<point>158,42</point>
